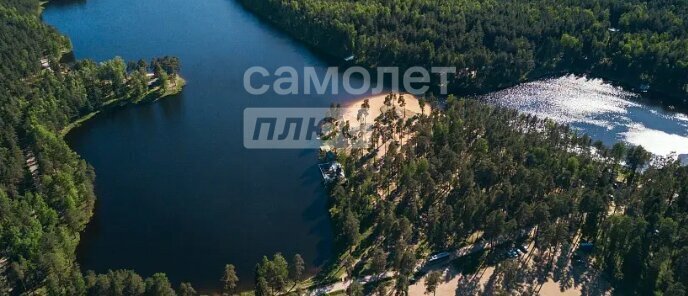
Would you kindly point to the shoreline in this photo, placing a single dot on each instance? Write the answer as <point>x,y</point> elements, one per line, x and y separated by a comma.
<point>150,97</point>
<point>376,103</point>
<point>661,96</point>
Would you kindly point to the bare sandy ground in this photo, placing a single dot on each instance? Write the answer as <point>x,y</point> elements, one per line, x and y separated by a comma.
<point>377,106</point>
<point>356,115</point>
<point>447,287</point>
<point>452,279</point>
<point>451,283</point>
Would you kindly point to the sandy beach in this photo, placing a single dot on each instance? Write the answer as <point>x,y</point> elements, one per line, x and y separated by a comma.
<point>356,115</point>
<point>377,106</point>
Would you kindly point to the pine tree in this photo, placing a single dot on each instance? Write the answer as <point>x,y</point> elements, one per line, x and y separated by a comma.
<point>229,280</point>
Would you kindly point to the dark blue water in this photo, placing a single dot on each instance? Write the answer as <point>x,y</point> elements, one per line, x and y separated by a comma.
<point>177,191</point>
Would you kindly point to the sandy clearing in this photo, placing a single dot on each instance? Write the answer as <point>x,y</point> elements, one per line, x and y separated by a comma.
<point>377,106</point>
<point>448,286</point>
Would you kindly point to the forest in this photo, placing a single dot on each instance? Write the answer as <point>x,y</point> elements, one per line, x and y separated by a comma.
<point>46,190</point>
<point>496,44</point>
<point>433,182</point>
<point>443,176</point>
<point>475,169</point>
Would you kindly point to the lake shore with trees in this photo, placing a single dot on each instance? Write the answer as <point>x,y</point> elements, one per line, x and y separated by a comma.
<point>153,94</point>
<point>477,173</point>
<point>455,175</point>
<point>46,190</point>
<point>498,45</point>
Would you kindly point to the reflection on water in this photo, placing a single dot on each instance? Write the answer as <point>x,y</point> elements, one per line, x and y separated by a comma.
<point>603,111</point>
<point>177,190</point>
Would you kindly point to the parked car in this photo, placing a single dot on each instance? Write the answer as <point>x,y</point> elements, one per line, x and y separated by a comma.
<point>438,257</point>
<point>577,259</point>
<point>512,253</point>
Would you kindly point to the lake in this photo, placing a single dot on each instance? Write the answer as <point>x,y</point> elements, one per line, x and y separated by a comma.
<point>178,192</point>
<point>603,111</point>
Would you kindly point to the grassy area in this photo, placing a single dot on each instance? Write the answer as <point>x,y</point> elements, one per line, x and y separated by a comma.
<point>77,122</point>
<point>474,237</point>
<point>180,82</point>
<point>88,116</point>
<point>41,6</point>
<point>173,89</point>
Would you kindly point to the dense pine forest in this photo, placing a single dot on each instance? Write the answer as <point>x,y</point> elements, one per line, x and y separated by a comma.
<point>479,170</point>
<point>464,171</point>
<point>495,44</point>
<point>443,180</point>
<point>46,190</point>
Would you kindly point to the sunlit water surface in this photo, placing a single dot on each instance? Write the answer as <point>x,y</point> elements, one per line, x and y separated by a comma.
<point>603,111</point>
